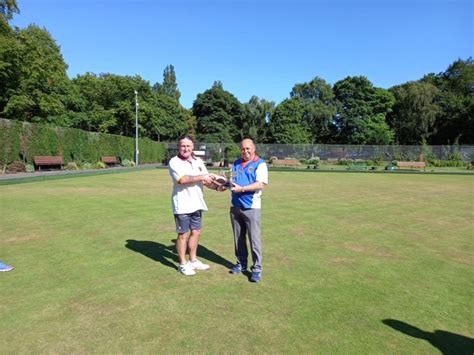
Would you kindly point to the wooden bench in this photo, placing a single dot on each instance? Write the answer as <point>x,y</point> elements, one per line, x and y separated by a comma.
<point>51,161</point>
<point>109,160</point>
<point>411,164</point>
<point>286,162</point>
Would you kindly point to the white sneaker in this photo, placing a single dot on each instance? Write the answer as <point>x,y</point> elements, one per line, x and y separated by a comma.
<point>197,265</point>
<point>186,269</point>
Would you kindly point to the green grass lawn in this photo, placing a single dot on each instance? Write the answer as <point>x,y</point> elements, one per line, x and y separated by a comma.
<point>353,263</point>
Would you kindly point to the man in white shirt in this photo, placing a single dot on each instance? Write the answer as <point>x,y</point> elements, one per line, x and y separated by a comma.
<point>189,175</point>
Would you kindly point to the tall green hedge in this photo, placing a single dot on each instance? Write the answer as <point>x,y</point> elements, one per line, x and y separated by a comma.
<point>23,140</point>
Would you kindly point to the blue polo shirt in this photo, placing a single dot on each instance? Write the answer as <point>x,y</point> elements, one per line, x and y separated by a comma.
<point>246,173</point>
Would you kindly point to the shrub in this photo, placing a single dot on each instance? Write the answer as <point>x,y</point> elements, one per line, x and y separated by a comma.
<point>100,165</point>
<point>447,163</point>
<point>314,161</point>
<point>216,156</point>
<point>232,152</point>
<point>29,139</point>
<point>71,166</point>
<point>87,166</point>
<point>127,163</point>
<point>30,168</point>
<point>345,161</point>
<point>16,167</point>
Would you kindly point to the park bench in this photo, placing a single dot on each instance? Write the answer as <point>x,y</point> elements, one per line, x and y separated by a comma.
<point>286,162</point>
<point>411,164</point>
<point>50,161</point>
<point>109,160</point>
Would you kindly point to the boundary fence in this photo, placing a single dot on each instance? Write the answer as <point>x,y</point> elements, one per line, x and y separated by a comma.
<point>230,151</point>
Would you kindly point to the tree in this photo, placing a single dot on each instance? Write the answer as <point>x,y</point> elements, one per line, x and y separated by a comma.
<point>169,86</point>
<point>43,83</point>
<point>219,115</point>
<point>360,105</point>
<point>455,122</point>
<point>11,52</point>
<point>8,8</point>
<point>319,108</point>
<point>110,103</point>
<point>288,124</point>
<point>255,118</point>
<point>414,112</point>
<point>169,121</point>
<point>374,130</point>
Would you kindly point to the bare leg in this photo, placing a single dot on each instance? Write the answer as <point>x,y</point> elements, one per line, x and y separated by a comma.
<point>193,243</point>
<point>181,246</point>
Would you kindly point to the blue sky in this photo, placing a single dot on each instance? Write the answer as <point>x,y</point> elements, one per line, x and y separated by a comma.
<point>256,47</point>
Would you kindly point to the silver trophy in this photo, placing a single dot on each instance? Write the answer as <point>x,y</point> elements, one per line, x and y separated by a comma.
<point>230,178</point>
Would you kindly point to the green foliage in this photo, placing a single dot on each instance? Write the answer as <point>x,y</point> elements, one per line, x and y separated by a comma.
<point>415,111</point>
<point>41,82</point>
<point>7,9</point>
<point>288,125</point>
<point>216,156</point>
<point>374,131</point>
<point>171,119</point>
<point>362,112</point>
<point>254,121</point>
<point>319,107</point>
<point>34,87</point>
<point>71,166</point>
<point>219,116</point>
<point>10,64</point>
<point>99,165</point>
<point>30,168</point>
<point>127,163</point>
<point>313,161</point>
<point>347,161</point>
<point>455,121</point>
<point>448,163</point>
<point>22,140</point>
<point>170,86</point>
<point>427,154</point>
<point>232,152</point>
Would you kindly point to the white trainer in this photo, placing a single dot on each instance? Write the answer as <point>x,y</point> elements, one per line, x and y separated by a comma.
<point>197,265</point>
<point>186,269</point>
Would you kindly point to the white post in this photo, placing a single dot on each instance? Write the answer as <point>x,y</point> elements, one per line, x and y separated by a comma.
<point>136,128</point>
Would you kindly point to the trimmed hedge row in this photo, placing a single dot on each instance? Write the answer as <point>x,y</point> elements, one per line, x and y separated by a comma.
<point>23,140</point>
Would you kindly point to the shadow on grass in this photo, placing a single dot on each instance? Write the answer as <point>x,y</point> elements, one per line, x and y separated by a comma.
<point>446,342</point>
<point>211,256</point>
<point>167,256</point>
<point>205,253</point>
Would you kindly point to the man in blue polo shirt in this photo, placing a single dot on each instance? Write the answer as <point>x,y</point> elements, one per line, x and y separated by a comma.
<point>250,175</point>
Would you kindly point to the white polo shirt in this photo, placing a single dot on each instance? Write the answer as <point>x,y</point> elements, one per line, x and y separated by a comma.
<point>187,198</point>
